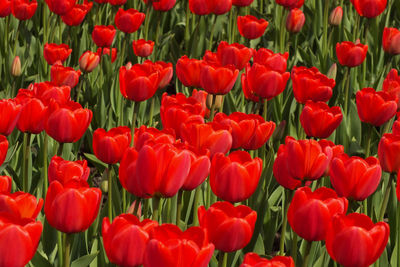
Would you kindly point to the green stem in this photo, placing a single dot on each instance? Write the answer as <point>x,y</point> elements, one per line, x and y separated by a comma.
<point>213,100</point>
<point>44,151</point>
<point>67,249</point>
<point>60,248</point>
<point>147,22</point>
<point>60,149</point>
<point>16,38</point>
<point>223,259</point>
<point>110,203</point>
<point>346,85</point>
<point>230,27</point>
<point>156,43</point>
<point>294,247</point>
<point>179,208</point>
<point>196,206</point>
<point>282,31</point>
<point>124,200</point>
<point>78,92</point>
<point>187,28</point>
<point>325,33</point>
<point>213,19</point>
<point>156,204</point>
<point>386,197</point>
<point>134,117</point>
<point>368,141</point>
<point>307,254</point>
<point>284,225</point>
<point>151,114</point>
<point>27,150</point>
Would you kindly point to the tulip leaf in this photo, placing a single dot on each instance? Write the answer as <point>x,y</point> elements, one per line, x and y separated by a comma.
<point>84,261</point>
<point>40,260</point>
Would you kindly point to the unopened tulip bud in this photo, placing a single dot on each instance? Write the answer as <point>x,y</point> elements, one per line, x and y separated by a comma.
<point>16,67</point>
<point>332,71</point>
<point>336,15</point>
<point>89,61</point>
<point>295,20</point>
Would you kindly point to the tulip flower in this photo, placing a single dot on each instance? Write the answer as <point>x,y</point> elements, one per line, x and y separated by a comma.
<point>391,41</point>
<point>310,84</point>
<point>218,80</point>
<point>354,240</point>
<point>129,21</point>
<point>290,4</point>
<point>63,170</point>
<point>336,151</point>
<point>9,114</point>
<point>200,7</point>
<point>164,70</point>
<point>310,213</point>
<point>319,120</point>
<point>142,48</point>
<point>54,52</point>
<point>295,20</point>
<point>391,85</point>
<point>141,180</point>
<point>67,123</point>
<point>242,3</point>
<point>150,136</point>
<point>110,146</point>
<point>20,206</point>
<point>354,177</point>
<point>32,115</point>
<point>48,91</point>
<point>72,207</point>
<point>77,14</point>
<point>235,177</point>
<point>126,238</point>
<point>16,70</point>
<point>260,82</point>
<point>199,168</point>
<point>117,2</point>
<point>188,71</point>
<point>5,184</point>
<point>229,228</point>
<point>385,106</point>
<point>276,62</point>
<point>103,36</point>
<point>235,54</point>
<point>251,259</point>
<point>389,153</point>
<point>5,8</point>
<point>350,54</point>
<point>89,61</point>
<point>219,7</point>
<point>163,5</point>
<point>3,148</point>
<point>335,18</point>
<point>23,9</point>
<point>106,51</point>
<point>61,75</point>
<point>250,27</point>
<point>60,7</point>
<point>369,9</point>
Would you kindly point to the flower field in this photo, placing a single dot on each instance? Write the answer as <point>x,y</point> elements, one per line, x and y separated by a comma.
<point>195,133</point>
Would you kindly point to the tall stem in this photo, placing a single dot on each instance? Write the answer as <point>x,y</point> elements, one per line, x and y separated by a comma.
<point>196,206</point>
<point>213,19</point>
<point>179,208</point>
<point>284,225</point>
<point>156,204</point>
<point>44,151</point>
<point>151,114</point>
<point>386,197</point>
<point>147,22</point>
<point>346,85</point>
<point>110,203</point>
<point>213,101</point>
<point>294,247</point>
<point>282,32</point>
<point>134,117</point>
<point>325,33</point>
<point>60,149</point>
<point>223,259</point>
<point>27,150</point>
<point>67,249</point>
<point>307,254</point>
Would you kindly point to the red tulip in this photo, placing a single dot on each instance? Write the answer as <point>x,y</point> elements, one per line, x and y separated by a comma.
<point>188,71</point>
<point>67,123</point>
<point>251,259</point>
<point>110,146</point>
<point>143,48</point>
<point>219,7</point>
<point>138,83</point>
<point>5,8</point>
<point>354,240</point>
<point>350,54</point>
<point>199,168</point>
<point>46,91</point>
<point>72,207</point>
<point>336,151</point>
<point>391,85</point>
<point>259,81</point>
<point>218,80</point>
<point>276,62</point>
<point>106,51</point>
<point>385,106</point>
<point>77,14</point>
<point>20,206</point>
<point>391,41</point>
<point>207,136</point>
<point>54,52</point>
<point>290,4</point>
<point>310,213</point>
<point>389,153</point>
<point>281,170</point>
<point>60,7</point>
<point>19,240</point>
<point>150,136</point>
<point>242,3</point>
<point>126,238</point>
<point>89,61</point>
<point>295,20</point>
<point>310,84</point>
<point>5,184</point>
<point>61,75</point>
<point>235,177</point>
<point>319,120</point>
<point>169,247</point>
<point>201,7</point>
<point>140,179</point>
<point>354,177</point>
<point>249,131</point>
<point>63,170</point>
<point>32,115</point>
<point>369,9</point>
<point>164,69</point>
<point>3,148</point>
<point>23,9</point>
<point>103,36</point>
<point>229,228</point>
<point>235,54</point>
<point>250,27</point>
<point>9,114</point>
<point>129,21</point>
<point>335,18</point>
<point>117,2</point>
<point>164,5</point>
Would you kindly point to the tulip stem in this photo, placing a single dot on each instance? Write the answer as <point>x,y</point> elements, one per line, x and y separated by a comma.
<point>307,253</point>
<point>151,111</point>
<point>284,225</point>
<point>60,149</point>
<point>27,149</point>
<point>368,142</point>
<point>213,100</point>
<point>136,207</point>
<point>223,259</point>
<point>187,28</point>
<point>156,204</point>
<point>325,34</point>
<point>294,247</point>
<point>386,197</point>
<point>60,248</point>
<point>213,20</point>
<point>110,203</point>
<point>44,151</point>
<point>134,117</point>
<point>78,91</point>
<point>282,32</point>
<point>179,208</point>
<point>67,249</point>
<point>346,85</point>
<point>196,206</point>
<point>147,21</point>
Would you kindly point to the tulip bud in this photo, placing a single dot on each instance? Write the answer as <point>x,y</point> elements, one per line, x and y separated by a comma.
<point>16,67</point>
<point>104,186</point>
<point>89,61</point>
<point>332,72</point>
<point>128,65</point>
<point>336,15</point>
<point>295,20</point>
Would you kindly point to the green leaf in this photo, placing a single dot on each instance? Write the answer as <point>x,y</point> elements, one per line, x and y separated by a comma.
<point>84,261</point>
